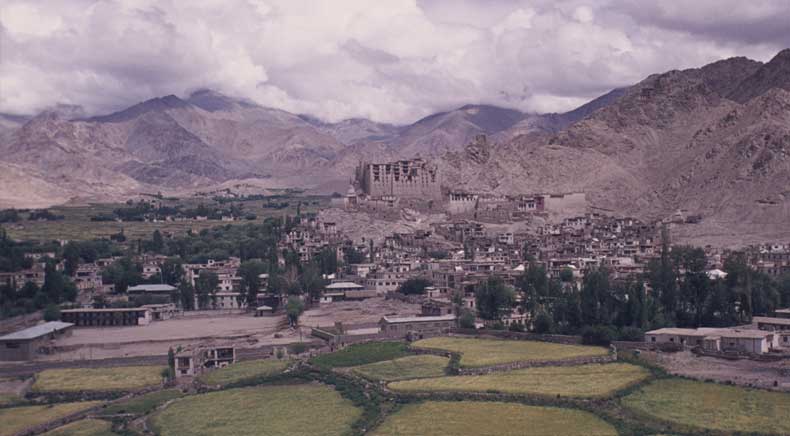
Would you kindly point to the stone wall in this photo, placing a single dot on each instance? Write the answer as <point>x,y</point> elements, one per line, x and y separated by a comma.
<point>536,364</point>
<point>504,334</point>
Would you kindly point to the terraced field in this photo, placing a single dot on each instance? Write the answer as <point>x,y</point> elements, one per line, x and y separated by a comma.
<point>142,404</point>
<point>97,379</point>
<point>307,409</point>
<point>16,419</point>
<point>243,371</point>
<point>486,352</point>
<point>362,354</point>
<point>85,427</point>
<point>591,380</point>
<point>713,406</point>
<point>462,418</point>
<point>409,367</point>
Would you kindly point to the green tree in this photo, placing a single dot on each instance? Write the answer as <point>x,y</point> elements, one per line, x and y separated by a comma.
<point>250,272</point>
<point>543,323</point>
<point>171,364</point>
<point>467,320</point>
<point>71,259</point>
<point>414,286</point>
<point>186,295</point>
<point>311,282</point>
<point>54,283</point>
<point>157,242</point>
<point>172,271</point>
<point>52,312</point>
<point>494,299</point>
<point>594,295</point>
<point>294,309</point>
<point>205,287</point>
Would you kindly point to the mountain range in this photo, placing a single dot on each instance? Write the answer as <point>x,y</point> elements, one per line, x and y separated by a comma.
<point>713,141</point>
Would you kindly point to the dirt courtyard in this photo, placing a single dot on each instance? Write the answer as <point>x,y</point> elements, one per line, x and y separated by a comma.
<point>742,372</point>
<point>241,329</point>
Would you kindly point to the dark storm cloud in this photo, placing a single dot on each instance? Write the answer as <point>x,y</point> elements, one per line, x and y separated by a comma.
<point>391,61</point>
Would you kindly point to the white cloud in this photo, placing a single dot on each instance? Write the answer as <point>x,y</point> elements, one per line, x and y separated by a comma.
<point>391,61</point>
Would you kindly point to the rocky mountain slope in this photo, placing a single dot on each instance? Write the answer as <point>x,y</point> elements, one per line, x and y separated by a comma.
<point>713,141</point>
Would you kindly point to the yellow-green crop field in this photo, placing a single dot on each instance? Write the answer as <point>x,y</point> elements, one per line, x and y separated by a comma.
<point>16,419</point>
<point>462,418</point>
<point>85,427</point>
<point>713,406</point>
<point>243,371</point>
<point>569,381</point>
<point>119,378</point>
<point>293,410</point>
<point>409,367</point>
<point>486,352</point>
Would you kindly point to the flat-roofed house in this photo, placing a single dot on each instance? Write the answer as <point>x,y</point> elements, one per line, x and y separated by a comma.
<point>416,327</point>
<point>780,326</point>
<point>337,291</point>
<point>783,313</point>
<point>716,339</point>
<point>24,344</point>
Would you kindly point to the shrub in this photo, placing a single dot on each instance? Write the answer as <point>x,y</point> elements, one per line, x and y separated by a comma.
<point>598,335</point>
<point>299,348</point>
<point>467,320</point>
<point>52,313</point>
<point>632,334</point>
<point>543,323</point>
<point>516,327</point>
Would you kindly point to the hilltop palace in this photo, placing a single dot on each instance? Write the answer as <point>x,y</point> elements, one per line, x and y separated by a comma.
<point>385,188</point>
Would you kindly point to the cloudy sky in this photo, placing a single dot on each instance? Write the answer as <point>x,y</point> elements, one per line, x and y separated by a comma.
<point>389,60</point>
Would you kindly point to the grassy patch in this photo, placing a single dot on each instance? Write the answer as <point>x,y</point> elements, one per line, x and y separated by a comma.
<point>713,406</point>
<point>16,419</point>
<point>419,366</point>
<point>143,404</point>
<point>10,399</point>
<point>85,427</point>
<point>486,352</point>
<point>308,409</point>
<point>243,371</point>
<point>439,418</point>
<point>572,381</point>
<point>97,379</point>
<point>362,354</point>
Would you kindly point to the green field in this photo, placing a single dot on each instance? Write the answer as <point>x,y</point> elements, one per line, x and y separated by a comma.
<point>120,378</point>
<point>16,419</point>
<point>362,354</point>
<point>477,353</point>
<point>77,224</point>
<point>419,366</point>
<point>461,418</point>
<point>309,409</point>
<point>243,371</point>
<point>85,427</point>
<point>713,406</point>
<point>592,380</point>
<point>142,404</point>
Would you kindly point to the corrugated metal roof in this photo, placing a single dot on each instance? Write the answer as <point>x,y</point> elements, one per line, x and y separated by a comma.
<point>37,331</point>
<point>420,319</point>
<point>343,285</point>
<point>151,288</point>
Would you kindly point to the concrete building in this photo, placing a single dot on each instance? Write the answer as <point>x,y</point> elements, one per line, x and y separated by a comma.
<point>110,317</point>
<point>25,344</point>
<point>195,361</point>
<point>415,178</point>
<point>165,291</point>
<point>416,327</point>
<point>338,291</point>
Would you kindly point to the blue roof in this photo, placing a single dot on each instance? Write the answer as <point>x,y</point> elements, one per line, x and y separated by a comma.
<point>37,331</point>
